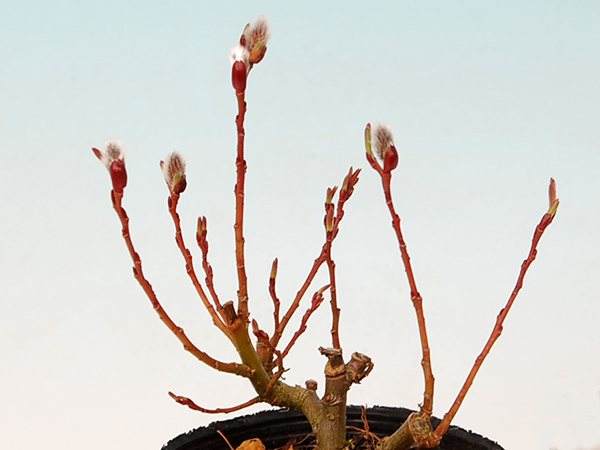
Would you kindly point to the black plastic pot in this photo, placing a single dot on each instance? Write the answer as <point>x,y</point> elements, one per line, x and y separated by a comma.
<point>278,427</point>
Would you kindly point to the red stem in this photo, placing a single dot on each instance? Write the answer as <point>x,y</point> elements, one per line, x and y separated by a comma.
<point>497,331</point>
<point>208,271</point>
<point>235,368</point>
<point>190,404</point>
<point>240,164</point>
<point>335,311</point>
<point>276,302</point>
<point>189,266</point>
<point>332,229</point>
<point>316,302</point>
<point>296,303</point>
<point>417,300</point>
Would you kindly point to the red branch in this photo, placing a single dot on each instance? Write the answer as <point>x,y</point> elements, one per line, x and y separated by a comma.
<point>189,266</point>
<point>347,189</point>
<point>497,331</point>
<point>235,368</point>
<point>417,300</point>
<point>190,404</point>
<point>240,164</point>
<point>335,311</point>
<point>263,340</point>
<point>276,302</point>
<point>316,302</point>
<point>296,303</point>
<point>264,349</point>
<point>332,223</point>
<point>201,235</point>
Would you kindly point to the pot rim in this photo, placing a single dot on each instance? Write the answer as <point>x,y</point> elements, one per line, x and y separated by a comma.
<point>276,426</point>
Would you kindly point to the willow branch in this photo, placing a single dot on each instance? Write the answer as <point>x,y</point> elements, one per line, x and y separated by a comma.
<point>332,222</point>
<point>189,266</point>
<point>268,351</point>
<point>240,164</point>
<point>190,404</point>
<point>316,302</point>
<point>264,349</point>
<point>235,368</point>
<point>335,311</point>
<point>296,303</point>
<point>417,300</point>
<point>497,331</point>
<point>202,242</point>
<point>276,302</point>
<point>332,231</point>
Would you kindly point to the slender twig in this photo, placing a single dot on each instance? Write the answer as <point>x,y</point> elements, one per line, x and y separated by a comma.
<point>497,331</point>
<point>189,266</point>
<point>264,349</point>
<point>190,404</point>
<point>240,164</point>
<point>226,440</point>
<point>201,235</point>
<point>296,303</point>
<point>276,377</point>
<point>276,302</point>
<point>330,232</point>
<point>332,222</point>
<point>316,302</point>
<point>335,311</point>
<point>263,340</point>
<point>417,300</point>
<point>235,368</point>
<point>345,193</point>
<point>347,189</point>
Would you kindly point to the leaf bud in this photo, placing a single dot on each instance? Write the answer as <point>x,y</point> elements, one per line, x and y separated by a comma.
<point>330,194</point>
<point>554,202</point>
<point>329,218</point>
<point>274,269</point>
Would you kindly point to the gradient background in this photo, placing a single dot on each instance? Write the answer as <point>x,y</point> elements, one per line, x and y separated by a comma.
<point>488,100</point>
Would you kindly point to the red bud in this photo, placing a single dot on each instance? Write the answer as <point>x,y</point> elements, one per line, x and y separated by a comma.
<point>98,153</point>
<point>118,175</point>
<point>239,76</point>
<point>390,160</point>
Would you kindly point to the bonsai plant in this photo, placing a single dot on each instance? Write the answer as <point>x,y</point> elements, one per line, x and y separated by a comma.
<point>262,355</point>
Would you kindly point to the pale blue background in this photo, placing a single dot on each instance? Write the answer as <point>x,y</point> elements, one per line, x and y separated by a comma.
<point>488,100</point>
